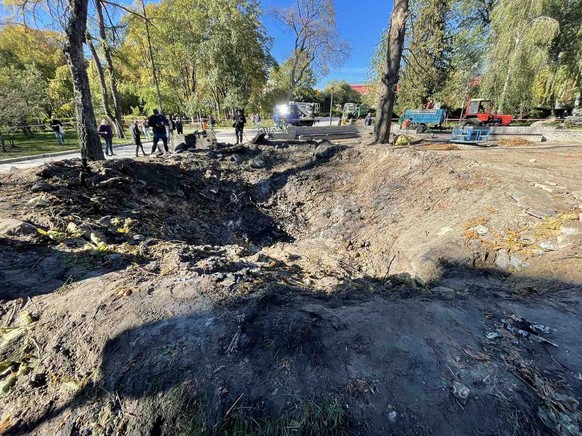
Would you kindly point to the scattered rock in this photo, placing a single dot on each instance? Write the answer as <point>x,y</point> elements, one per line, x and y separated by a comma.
<point>544,187</point>
<point>568,231</point>
<point>563,241</point>
<point>293,257</point>
<point>392,416</point>
<point>461,392</point>
<point>14,227</point>
<point>510,261</point>
<point>236,158</point>
<point>493,335</point>
<point>257,163</point>
<point>40,201</point>
<point>212,154</point>
<point>444,292</point>
<point>548,246</point>
<point>481,230</point>
<point>38,380</point>
<point>532,160</point>
<point>42,187</point>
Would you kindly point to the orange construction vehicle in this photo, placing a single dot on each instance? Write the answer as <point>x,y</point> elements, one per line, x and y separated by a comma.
<point>479,112</point>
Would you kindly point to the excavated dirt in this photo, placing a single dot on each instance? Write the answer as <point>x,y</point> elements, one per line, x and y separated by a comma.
<point>294,289</point>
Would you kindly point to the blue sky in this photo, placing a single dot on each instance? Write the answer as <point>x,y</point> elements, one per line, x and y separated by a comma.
<point>360,22</point>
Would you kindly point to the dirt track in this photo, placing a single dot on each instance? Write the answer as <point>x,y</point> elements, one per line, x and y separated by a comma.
<point>341,289</point>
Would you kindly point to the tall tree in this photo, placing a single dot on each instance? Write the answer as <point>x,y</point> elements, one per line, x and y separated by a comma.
<point>75,30</point>
<point>317,44</point>
<point>390,71</point>
<point>110,69</point>
<point>428,62</point>
<point>102,82</point>
<point>520,39</point>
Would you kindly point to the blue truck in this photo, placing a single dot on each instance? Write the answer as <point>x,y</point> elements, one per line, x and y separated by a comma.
<point>422,119</point>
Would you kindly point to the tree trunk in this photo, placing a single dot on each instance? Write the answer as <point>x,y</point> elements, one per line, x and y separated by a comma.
<point>151,52</point>
<point>390,71</point>
<point>110,70</point>
<point>102,85</point>
<point>86,126</point>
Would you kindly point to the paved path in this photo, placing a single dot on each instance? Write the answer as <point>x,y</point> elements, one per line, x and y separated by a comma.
<point>121,152</point>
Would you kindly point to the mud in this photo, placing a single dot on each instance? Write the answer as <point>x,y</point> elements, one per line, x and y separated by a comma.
<point>360,282</point>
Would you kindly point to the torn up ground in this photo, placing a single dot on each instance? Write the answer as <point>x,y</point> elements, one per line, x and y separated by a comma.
<point>294,289</point>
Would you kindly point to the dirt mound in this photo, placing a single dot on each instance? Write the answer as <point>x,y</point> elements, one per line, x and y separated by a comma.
<point>329,290</point>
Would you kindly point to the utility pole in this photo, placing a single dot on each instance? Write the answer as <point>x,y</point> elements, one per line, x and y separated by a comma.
<point>331,107</point>
<point>154,74</point>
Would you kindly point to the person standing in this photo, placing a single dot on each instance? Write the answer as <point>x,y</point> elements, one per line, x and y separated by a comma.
<point>158,124</point>
<point>136,138</point>
<point>179,125</point>
<point>169,126</point>
<point>239,125</point>
<point>212,122</point>
<point>146,129</point>
<point>368,119</point>
<point>106,133</point>
<point>259,121</point>
<point>57,127</point>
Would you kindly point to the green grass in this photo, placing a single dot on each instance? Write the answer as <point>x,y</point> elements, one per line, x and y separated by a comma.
<point>188,415</point>
<point>45,142</point>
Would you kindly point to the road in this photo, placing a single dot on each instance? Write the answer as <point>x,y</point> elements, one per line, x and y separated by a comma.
<point>121,152</point>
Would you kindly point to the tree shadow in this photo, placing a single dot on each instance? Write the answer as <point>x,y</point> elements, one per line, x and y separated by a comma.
<point>36,268</point>
<point>378,344</point>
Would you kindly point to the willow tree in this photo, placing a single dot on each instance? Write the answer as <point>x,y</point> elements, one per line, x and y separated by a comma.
<point>521,36</point>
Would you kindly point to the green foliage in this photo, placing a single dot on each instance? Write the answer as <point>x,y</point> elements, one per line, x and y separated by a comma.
<point>34,80</point>
<point>342,93</point>
<point>428,58</point>
<point>23,96</point>
<point>522,36</point>
<point>213,57</point>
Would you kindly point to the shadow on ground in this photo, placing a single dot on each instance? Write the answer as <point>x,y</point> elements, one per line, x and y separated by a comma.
<point>378,346</point>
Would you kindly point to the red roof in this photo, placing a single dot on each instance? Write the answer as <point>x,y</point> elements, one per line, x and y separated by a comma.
<point>362,89</point>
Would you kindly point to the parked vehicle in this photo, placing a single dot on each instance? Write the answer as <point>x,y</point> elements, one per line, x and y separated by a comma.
<point>296,113</point>
<point>479,112</point>
<point>422,119</point>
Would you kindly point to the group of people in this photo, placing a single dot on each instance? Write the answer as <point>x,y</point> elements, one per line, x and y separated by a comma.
<point>172,123</point>
<point>156,128</point>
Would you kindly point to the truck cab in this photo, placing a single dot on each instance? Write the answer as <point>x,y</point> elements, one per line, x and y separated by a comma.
<point>479,112</point>
<point>296,113</point>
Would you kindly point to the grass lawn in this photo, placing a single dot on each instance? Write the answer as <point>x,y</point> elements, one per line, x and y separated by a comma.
<point>46,142</point>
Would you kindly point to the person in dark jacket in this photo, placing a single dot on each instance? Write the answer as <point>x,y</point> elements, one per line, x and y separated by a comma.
<point>158,124</point>
<point>179,125</point>
<point>239,125</point>
<point>136,138</point>
<point>106,133</point>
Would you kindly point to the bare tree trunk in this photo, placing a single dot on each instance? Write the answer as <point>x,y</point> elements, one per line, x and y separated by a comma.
<point>86,126</point>
<point>390,71</point>
<point>151,52</point>
<point>102,84</point>
<point>110,70</point>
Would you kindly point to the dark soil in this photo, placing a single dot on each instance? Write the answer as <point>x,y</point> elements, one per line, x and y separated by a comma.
<point>338,290</point>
